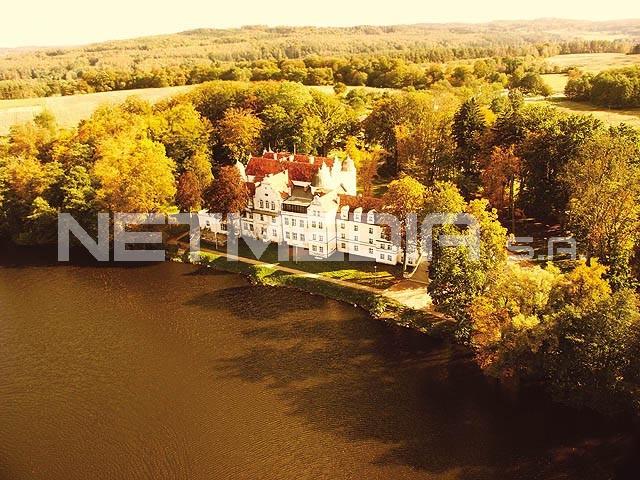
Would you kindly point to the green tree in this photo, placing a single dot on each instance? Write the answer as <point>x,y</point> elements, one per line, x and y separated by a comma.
<point>459,274</point>
<point>604,203</point>
<point>469,125</point>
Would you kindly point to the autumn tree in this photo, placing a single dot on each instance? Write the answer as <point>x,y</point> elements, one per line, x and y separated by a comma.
<point>228,193</point>
<point>590,354</point>
<point>459,274</point>
<point>30,139</point>
<point>604,203</point>
<point>27,187</point>
<point>239,132</point>
<point>133,175</point>
<point>506,320</point>
<point>189,193</point>
<point>404,197</point>
<point>414,130</point>
<point>500,179</point>
<point>469,124</point>
<point>424,145</point>
<point>185,135</point>
<point>366,163</point>
<point>443,197</point>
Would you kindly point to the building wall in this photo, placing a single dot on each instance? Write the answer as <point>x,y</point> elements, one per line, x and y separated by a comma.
<point>319,229</point>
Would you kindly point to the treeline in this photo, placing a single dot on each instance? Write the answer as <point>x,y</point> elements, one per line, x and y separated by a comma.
<point>373,71</point>
<point>617,88</point>
<point>393,57</point>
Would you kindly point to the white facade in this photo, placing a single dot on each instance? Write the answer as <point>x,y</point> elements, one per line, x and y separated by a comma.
<point>262,219</point>
<point>358,233</point>
<point>308,214</point>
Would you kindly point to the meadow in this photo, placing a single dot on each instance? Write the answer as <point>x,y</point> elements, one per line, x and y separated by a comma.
<point>629,116</point>
<point>71,109</point>
<point>594,62</point>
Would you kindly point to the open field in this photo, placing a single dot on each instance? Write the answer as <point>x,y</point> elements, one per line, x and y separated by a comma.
<point>71,109</point>
<point>613,117</point>
<point>557,81</point>
<point>594,62</point>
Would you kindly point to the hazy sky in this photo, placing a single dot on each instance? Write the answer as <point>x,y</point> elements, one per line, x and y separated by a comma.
<point>65,22</point>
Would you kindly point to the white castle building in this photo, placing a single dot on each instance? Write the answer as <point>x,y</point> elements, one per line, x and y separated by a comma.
<point>311,203</point>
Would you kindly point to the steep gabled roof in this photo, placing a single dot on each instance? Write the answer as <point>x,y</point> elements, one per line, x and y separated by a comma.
<point>366,203</point>
<point>300,166</point>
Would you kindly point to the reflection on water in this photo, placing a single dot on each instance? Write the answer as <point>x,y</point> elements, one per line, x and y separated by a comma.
<point>165,371</point>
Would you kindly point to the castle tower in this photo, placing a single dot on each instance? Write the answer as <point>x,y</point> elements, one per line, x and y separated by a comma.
<point>348,176</point>
<point>240,166</point>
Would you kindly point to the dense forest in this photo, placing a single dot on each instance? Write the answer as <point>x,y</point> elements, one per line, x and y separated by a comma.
<point>394,57</point>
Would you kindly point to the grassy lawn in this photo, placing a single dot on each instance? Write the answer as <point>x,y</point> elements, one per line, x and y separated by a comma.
<point>557,81</point>
<point>613,117</point>
<point>350,268</point>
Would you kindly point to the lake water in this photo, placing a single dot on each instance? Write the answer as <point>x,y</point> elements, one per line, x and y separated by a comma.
<point>167,371</point>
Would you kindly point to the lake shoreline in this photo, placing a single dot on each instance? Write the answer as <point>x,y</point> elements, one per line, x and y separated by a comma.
<point>375,305</point>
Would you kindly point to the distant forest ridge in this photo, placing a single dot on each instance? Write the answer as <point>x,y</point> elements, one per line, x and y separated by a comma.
<point>257,53</point>
<point>252,42</point>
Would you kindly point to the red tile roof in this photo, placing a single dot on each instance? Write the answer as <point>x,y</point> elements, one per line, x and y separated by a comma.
<point>299,169</point>
<point>261,167</point>
<point>367,203</point>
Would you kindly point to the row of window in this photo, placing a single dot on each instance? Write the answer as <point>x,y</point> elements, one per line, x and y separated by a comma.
<point>358,217</point>
<point>355,238</point>
<point>295,222</point>
<point>262,204</point>
<point>294,235</point>
<point>314,237</point>
<point>356,248</point>
<point>261,217</point>
<point>355,227</point>
<point>315,249</point>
